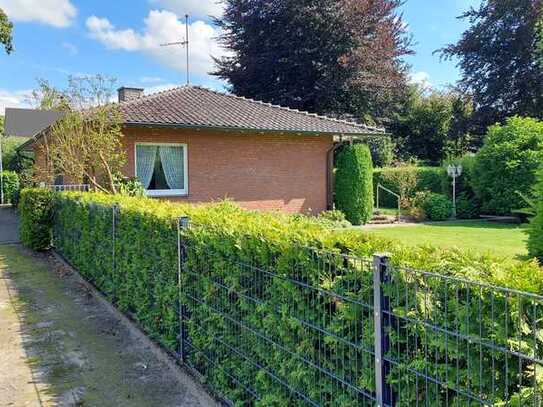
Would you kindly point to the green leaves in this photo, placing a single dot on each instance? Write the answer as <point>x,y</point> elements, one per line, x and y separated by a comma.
<point>36,210</point>
<point>354,183</point>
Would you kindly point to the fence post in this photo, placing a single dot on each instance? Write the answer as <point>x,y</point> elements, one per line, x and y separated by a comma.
<point>381,303</point>
<point>183,223</point>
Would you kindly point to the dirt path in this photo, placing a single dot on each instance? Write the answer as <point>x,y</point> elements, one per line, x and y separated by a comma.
<point>60,347</point>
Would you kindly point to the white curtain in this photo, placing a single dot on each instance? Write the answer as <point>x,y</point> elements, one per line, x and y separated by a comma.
<point>172,163</point>
<point>145,159</point>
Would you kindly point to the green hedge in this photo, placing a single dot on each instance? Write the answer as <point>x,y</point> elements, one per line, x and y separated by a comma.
<point>36,211</point>
<point>354,187</point>
<point>224,240</point>
<point>426,179</point>
<point>535,229</point>
<point>10,186</point>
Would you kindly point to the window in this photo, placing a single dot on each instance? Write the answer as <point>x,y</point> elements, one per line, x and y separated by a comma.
<point>162,168</point>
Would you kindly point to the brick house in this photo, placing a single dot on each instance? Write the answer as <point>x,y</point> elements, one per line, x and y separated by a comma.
<point>197,145</point>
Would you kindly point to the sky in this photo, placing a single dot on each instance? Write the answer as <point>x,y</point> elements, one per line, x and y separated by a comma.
<point>54,39</point>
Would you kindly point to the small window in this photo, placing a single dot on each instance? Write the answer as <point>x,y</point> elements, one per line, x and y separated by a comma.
<point>162,168</point>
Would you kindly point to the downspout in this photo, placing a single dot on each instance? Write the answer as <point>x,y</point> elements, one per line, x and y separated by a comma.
<point>330,179</point>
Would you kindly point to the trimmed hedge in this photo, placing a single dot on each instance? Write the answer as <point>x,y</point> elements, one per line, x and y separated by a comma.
<point>10,186</point>
<point>36,212</point>
<point>224,240</point>
<point>427,179</point>
<point>354,185</point>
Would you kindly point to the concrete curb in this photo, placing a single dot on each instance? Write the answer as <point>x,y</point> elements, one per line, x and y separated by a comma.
<point>185,378</point>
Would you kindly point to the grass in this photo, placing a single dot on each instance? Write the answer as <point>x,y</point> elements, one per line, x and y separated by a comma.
<point>477,236</point>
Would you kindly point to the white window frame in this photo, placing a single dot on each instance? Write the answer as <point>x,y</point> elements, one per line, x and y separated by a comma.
<point>166,192</point>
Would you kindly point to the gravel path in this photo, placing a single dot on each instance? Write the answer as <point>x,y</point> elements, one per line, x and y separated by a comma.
<point>61,347</point>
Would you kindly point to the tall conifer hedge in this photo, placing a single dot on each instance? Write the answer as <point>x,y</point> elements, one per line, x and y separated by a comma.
<point>354,184</point>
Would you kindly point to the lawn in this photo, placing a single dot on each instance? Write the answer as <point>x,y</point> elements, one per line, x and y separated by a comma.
<point>478,236</point>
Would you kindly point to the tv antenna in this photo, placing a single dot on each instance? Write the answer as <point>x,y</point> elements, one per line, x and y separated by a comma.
<point>184,43</point>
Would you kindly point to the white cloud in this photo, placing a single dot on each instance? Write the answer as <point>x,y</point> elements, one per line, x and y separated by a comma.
<point>151,79</point>
<point>421,78</point>
<point>198,8</point>
<point>160,88</point>
<point>71,48</point>
<point>18,98</point>
<point>58,13</point>
<point>161,27</point>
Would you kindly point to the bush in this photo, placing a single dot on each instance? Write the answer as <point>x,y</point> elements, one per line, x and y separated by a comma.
<point>466,207</point>
<point>354,185</point>
<point>10,183</point>
<point>507,163</point>
<point>407,181</point>
<point>334,219</point>
<point>36,211</point>
<point>224,239</point>
<point>535,228</point>
<point>437,207</point>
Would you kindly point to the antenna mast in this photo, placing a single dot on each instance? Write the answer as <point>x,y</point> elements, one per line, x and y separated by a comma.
<point>183,43</point>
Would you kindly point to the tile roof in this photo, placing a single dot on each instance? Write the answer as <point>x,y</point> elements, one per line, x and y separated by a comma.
<point>194,106</point>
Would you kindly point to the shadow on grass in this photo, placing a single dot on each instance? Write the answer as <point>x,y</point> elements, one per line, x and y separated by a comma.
<point>476,224</point>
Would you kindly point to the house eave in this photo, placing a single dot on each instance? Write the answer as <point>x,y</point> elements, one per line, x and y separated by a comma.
<point>254,130</point>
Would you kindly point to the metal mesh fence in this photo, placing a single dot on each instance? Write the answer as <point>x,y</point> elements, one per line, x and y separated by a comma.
<point>328,329</point>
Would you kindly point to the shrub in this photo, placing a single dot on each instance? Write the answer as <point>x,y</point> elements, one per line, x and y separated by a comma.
<point>507,163</point>
<point>354,185</point>
<point>10,186</point>
<point>535,228</point>
<point>466,207</point>
<point>407,181</point>
<point>334,219</point>
<point>437,207</point>
<point>36,211</point>
<point>224,239</point>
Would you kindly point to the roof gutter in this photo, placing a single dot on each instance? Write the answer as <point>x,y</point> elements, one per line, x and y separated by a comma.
<point>250,129</point>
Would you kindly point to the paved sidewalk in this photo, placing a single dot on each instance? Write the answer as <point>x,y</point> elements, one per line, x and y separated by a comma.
<point>9,225</point>
<point>60,346</point>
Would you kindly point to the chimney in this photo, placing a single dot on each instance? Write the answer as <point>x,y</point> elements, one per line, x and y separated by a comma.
<point>126,94</point>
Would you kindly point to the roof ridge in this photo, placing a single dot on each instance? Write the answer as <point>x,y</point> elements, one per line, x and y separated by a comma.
<point>286,108</point>
<point>153,95</point>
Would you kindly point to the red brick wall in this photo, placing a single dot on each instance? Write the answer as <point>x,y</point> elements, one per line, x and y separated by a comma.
<point>259,171</point>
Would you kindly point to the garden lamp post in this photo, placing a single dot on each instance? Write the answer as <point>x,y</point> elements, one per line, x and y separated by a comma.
<point>454,171</point>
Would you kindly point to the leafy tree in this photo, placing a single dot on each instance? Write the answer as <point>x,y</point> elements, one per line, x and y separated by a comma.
<point>506,165</point>
<point>499,62</point>
<point>433,125</point>
<point>85,145</point>
<point>324,56</point>
<point>6,32</point>
<point>354,184</point>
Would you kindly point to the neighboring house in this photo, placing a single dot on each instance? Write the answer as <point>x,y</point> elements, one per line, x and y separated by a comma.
<point>196,145</point>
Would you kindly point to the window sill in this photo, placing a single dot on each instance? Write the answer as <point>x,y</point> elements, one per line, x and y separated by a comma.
<point>166,194</point>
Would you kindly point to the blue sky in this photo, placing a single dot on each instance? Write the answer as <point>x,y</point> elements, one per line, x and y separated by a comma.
<point>120,38</point>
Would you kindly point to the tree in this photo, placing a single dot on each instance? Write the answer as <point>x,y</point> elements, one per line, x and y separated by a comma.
<point>323,56</point>
<point>506,165</point>
<point>85,145</point>
<point>433,125</point>
<point>499,62</point>
<point>6,32</point>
